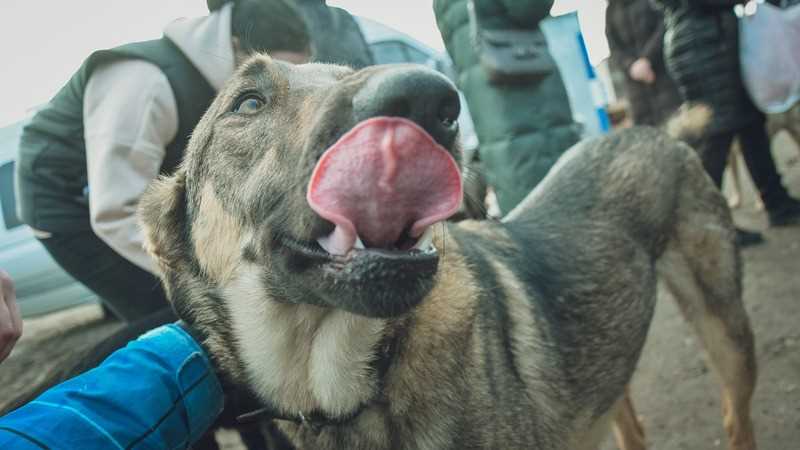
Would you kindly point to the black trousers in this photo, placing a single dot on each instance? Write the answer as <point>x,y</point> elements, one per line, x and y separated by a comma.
<point>130,292</point>
<point>754,142</point>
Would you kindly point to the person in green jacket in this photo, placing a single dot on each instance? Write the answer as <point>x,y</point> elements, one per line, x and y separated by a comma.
<point>522,128</point>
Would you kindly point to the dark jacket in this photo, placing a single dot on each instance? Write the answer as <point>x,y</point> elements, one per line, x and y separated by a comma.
<point>336,37</point>
<point>701,48</point>
<point>51,171</point>
<point>635,29</point>
<point>523,129</point>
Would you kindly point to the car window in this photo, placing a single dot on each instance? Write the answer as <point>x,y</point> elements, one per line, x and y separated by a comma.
<point>390,52</point>
<point>7,200</point>
<point>416,56</point>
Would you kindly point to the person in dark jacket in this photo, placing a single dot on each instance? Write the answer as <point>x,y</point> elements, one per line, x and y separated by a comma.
<point>123,119</point>
<point>336,37</point>
<point>701,48</point>
<point>635,32</point>
<point>522,128</point>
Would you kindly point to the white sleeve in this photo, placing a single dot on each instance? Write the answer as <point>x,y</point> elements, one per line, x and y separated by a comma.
<point>130,116</point>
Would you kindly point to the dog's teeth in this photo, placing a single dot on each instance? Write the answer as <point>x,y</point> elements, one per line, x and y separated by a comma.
<point>425,242</point>
<point>359,245</point>
<point>339,242</point>
<point>325,243</point>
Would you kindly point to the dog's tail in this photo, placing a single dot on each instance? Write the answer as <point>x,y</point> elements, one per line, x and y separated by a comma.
<point>689,122</point>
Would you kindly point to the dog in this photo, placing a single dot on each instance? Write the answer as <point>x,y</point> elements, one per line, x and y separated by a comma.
<point>304,237</point>
<point>788,121</point>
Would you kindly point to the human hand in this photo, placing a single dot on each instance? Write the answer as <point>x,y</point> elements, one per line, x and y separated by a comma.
<point>10,318</point>
<point>642,71</point>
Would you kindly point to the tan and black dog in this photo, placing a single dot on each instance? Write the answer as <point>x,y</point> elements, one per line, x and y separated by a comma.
<point>296,238</point>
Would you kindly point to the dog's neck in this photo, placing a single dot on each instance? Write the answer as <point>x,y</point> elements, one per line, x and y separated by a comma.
<point>318,419</point>
<point>302,358</point>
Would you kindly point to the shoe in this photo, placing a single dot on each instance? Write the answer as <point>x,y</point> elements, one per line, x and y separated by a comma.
<point>786,213</point>
<point>747,238</point>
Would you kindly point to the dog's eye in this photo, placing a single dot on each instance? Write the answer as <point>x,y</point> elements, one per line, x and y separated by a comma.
<point>248,103</point>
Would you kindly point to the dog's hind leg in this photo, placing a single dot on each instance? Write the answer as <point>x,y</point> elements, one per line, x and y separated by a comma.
<point>702,269</point>
<point>724,331</point>
<point>628,431</point>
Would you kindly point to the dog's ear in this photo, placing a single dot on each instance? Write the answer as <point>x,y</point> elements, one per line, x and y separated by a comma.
<point>162,216</point>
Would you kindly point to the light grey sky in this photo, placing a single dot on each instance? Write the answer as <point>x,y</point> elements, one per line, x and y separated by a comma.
<point>42,42</point>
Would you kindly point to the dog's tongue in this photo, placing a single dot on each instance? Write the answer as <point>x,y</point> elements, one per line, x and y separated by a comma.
<point>385,177</point>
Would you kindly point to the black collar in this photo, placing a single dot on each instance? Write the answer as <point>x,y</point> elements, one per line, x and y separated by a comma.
<point>317,419</point>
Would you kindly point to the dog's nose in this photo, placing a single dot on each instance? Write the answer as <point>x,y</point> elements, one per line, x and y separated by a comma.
<point>415,93</point>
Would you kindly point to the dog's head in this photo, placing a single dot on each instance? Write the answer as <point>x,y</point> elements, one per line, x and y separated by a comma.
<point>325,179</point>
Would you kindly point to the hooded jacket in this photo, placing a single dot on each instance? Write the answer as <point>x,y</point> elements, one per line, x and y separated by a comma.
<point>123,118</point>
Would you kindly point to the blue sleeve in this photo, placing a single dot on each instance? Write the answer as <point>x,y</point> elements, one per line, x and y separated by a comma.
<point>159,392</point>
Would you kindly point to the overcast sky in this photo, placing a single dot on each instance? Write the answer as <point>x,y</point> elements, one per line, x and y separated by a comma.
<point>42,42</point>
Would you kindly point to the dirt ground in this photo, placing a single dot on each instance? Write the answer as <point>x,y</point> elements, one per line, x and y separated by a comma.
<point>674,392</point>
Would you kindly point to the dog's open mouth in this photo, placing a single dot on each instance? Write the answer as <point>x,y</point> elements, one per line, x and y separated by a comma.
<point>384,185</point>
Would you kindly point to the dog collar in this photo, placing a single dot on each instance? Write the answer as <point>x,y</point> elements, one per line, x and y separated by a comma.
<point>314,420</point>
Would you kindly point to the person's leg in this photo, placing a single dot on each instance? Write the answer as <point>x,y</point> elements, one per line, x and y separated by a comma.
<point>129,292</point>
<point>781,208</point>
<point>714,151</point>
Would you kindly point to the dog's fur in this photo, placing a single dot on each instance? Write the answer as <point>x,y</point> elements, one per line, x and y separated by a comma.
<point>526,334</point>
